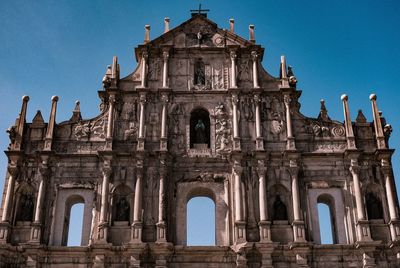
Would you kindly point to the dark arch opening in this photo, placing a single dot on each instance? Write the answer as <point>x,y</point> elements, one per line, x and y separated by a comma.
<point>199,129</point>
<point>201,223</point>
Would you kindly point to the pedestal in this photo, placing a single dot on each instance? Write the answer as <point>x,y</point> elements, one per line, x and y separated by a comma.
<point>236,144</point>
<point>136,232</point>
<point>298,231</point>
<point>259,144</point>
<point>161,232</point>
<point>240,232</point>
<point>140,144</point>
<point>394,226</point>
<point>363,231</point>
<point>36,231</point>
<point>163,144</point>
<point>265,231</point>
<point>102,233</point>
<point>4,232</point>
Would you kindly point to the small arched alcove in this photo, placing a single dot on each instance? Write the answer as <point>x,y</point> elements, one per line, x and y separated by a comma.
<point>199,129</point>
<point>121,203</point>
<point>25,204</point>
<point>201,221</point>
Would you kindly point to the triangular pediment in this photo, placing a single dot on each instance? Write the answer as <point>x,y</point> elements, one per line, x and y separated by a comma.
<point>199,31</point>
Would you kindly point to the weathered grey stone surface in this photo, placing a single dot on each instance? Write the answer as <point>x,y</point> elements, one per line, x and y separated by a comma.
<point>199,117</point>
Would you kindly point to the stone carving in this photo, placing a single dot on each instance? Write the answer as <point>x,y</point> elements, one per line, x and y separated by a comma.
<point>324,130</point>
<point>277,126</point>
<point>154,68</point>
<point>199,35</point>
<point>338,131</point>
<point>244,70</point>
<point>218,78</point>
<point>292,77</point>
<point>90,129</point>
<point>218,40</point>
<point>223,137</point>
<point>152,193</point>
<point>131,132</point>
<point>199,73</point>
<point>247,104</point>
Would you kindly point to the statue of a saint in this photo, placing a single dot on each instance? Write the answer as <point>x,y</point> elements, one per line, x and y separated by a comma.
<point>122,213</point>
<point>280,211</point>
<point>200,130</point>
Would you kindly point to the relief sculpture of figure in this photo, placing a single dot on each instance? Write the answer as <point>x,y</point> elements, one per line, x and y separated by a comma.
<point>200,129</point>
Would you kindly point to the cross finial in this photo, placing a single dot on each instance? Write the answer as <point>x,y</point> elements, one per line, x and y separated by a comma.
<point>199,11</point>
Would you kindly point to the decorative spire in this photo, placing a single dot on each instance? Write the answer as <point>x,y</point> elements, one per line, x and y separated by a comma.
<point>166,25</point>
<point>232,25</point>
<point>76,113</point>
<point>323,114</point>
<point>361,117</point>
<point>147,33</point>
<point>251,33</point>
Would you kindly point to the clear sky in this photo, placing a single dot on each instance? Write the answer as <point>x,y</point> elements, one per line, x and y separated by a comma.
<point>63,47</point>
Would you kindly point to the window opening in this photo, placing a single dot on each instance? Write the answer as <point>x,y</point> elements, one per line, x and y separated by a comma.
<point>201,222</point>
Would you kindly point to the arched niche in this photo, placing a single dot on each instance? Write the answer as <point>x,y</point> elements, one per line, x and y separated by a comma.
<point>66,198</point>
<point>279,201</point>
<point>25,203</point>
<point>121,205</point>
<point>199,129</point>
<point>213,190</point>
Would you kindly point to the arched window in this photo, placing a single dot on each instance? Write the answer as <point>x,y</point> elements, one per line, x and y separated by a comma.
<point>201,222</point>
<point>73,216</point>
<point>374,207</point>
<point>199,129</point>
<point>76,219</point>
<point>326,219</point>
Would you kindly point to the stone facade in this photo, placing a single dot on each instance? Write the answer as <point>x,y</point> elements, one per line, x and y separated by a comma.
<point>200,117</point>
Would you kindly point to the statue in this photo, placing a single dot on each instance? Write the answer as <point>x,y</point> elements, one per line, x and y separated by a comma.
<point>374,207</point>
<point>280,211</point>
<point>200,130</point>
<point>199,73</point>
<point>26,206</point>
<point>122,210</point>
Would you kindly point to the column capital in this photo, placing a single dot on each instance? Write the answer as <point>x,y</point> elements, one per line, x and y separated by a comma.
<point>235,99</point>
<point>145,55</point>
<point>12,170</point>
<point>257,98</point>
<point>287,99</point>
<point>355,170</point>
<point>233,54</point>
<point>254,55</point>
<point>142,98</point>
<point>164,98</point>
<point>237,168</point>
<point>165,54</point>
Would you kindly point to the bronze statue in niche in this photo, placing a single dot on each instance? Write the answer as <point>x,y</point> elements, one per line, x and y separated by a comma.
<point>200,129</point>
<point>26,207</point>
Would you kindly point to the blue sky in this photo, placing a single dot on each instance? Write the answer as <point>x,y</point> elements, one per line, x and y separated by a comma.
<point>63,47</point>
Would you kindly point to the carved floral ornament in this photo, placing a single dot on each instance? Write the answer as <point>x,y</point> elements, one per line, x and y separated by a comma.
<point>93,129</point>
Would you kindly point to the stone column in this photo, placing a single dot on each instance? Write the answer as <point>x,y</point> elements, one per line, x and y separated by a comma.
<point>21,124</point>
<point>50,127</point>
<point>298,224</point>
<point>259,138</point>
<point>390,198</point>
<point>144,69</point>
<point>7,205</point>
<point>380,138</point>
<point>285,81</point>
<point>233,68</point>
<point>110,122</point>
<point>363,231</point>
<point>265,231</point>
<point>141,138</point>
<point>36,225</point>
<point>236,137</point>
<point>254,56</point>
<point>136,236</point>
<point>347,122</point>
<point>161,225</point>
<point>240,223</point>
<point>163,140</point>
<point>165,69</point>
<point>103,224</point>
<point>290,144</point>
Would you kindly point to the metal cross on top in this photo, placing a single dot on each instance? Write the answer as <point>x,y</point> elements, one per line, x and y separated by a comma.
<point>199,11</point>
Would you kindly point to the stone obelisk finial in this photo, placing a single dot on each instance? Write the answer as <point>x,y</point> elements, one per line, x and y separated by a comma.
<point>50,126</point>
<point>147,34</point>
<point>380,138</point>
<point>347,123</point>
<point>251,33</point>
<point>232,25</point>
<point>166,25</point>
